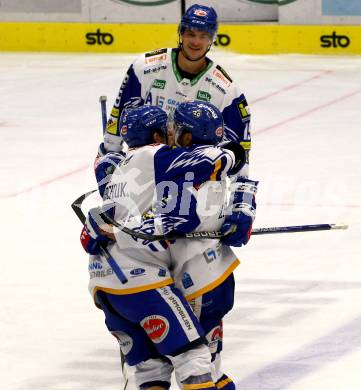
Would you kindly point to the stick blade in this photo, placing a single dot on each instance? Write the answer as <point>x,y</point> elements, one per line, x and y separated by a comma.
<point>340,226</point>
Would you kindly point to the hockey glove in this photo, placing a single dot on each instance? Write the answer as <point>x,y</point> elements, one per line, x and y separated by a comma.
<point>239,155</point>
<point>92,237</point>
<point>104,168</point>
<point>241,213</point>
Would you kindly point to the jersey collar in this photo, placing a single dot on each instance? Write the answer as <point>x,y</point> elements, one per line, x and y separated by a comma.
<point>178,75</point>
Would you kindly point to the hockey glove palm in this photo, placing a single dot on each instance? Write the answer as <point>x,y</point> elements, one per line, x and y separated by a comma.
<point>240,213</point>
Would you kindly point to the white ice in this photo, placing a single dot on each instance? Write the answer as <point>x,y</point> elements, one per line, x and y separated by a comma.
<point>296,323</point>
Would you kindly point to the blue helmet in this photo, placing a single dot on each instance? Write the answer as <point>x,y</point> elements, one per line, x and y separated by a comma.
<point>200,17</point>
<point>202,119</point>
<point>138,125</point>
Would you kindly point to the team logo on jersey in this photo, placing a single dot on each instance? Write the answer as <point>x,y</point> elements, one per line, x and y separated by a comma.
<point>160,84</point>
<point>244,110</point>
<point>196,157</point>
<point>156,327</point>
<point>202,95</point>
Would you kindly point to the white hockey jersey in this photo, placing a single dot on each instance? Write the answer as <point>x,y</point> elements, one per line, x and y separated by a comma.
<point>199,266</point>
<point>136,187</point>
<point>154,78</point>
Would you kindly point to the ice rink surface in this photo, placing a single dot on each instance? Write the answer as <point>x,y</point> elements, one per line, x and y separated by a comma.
<point>296,323</point>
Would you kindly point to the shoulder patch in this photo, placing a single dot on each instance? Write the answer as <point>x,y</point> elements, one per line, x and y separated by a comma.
<point>244,110</point>
<point>225,74</point>
<point>155,52</point>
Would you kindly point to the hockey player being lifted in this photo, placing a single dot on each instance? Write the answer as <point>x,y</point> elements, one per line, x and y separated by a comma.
<point>194,122</point>
<point>167,77</point>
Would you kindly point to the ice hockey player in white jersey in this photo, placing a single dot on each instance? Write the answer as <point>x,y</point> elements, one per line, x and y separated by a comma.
<point>167,77</point>
<point>203,269</point>
<point>164,324</point>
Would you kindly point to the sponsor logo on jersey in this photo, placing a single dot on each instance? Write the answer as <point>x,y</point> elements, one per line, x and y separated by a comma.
<point>221,74</point>
<point>178,307</point>
<point>100,273</point>
<point>244,110</point>
<point>187,280</point>
<point>95,265</point>
<point>215,85</point>
<point>203,95</point>
<point>124,340</point>
<point>156,327</point>
<point>213,337</point>
<point>137,272</point>
<point>246,145</point>
<point>181,94</point>
<point>155,69</point>
<point>155,59</point>
<point>210,255</point>
<point>160,84</point>
<point>112,128</point>
<point>162,272</point>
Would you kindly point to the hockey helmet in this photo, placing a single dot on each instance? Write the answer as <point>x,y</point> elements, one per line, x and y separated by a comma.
<point>200,17</point>
<point>202,119</point>
<point>138,125</point>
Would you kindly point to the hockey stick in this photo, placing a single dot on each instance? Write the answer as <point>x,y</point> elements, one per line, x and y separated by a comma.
<point>103,106</point>
<point>76,206</point>
<point>218,234</point>
<point>299,228</point>
<point>212,234</point>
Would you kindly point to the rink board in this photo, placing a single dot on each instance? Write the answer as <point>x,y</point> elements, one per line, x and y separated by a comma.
<point>132,38</point>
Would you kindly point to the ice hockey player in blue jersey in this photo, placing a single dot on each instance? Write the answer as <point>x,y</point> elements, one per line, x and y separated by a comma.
<point>164,324</point>
<point>167,77</point>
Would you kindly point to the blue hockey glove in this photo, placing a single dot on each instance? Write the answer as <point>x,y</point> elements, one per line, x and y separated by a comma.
<point>104,168</point>
<point>92,237</point>
<point>241,213</point>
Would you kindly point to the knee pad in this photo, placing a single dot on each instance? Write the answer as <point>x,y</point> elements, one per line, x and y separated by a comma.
<point>192,363</point>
